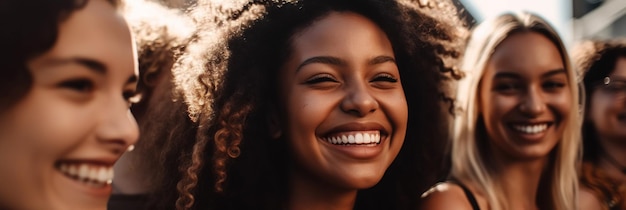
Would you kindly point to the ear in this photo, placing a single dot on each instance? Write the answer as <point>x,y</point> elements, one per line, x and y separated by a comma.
<point>274,124</point>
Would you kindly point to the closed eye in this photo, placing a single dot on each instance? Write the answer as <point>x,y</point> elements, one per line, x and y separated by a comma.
<point>320,78</point>
<point>616,86</point>
<point>385,78</point>
<point>507,87</point>
<point>553,85</point>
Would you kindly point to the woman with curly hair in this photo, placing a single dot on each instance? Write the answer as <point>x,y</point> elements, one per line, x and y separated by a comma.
<point>68,74</point>
<point>312,104</point>
<point>603,175</point>
<point>516,143</point>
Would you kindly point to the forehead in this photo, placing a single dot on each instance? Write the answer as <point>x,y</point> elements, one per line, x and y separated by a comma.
<point>526,52</point>
<point>341,29</point>
<point>95,32</point>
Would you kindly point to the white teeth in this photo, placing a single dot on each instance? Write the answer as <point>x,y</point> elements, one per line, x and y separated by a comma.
<point>351,139</point>
<point>82,171</point>
<point>360,138</point>
<point>531,129</point>
<point>96,175</point>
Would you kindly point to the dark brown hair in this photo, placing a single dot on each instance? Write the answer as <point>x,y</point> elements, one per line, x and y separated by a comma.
<point>29,28</point>
<point>227,160</point>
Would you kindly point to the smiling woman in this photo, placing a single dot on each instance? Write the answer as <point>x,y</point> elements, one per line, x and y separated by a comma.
<point>65,117</point>
<point>312,104</point>
<point>520,121</point>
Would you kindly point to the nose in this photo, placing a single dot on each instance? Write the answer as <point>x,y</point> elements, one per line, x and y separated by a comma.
<point>117,129</point>
<point>533,104</point>
<point>358,101</point>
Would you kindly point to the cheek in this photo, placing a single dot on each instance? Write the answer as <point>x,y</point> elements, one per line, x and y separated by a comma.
<point>496,107</point>
<point>52,128</point>
<point>306,110</point>
<point>562,104</point>
<point>396,108</point>
<point>599,106</point>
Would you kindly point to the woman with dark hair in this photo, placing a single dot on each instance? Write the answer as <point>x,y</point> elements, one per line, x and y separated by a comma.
<point>603,175</point>
<point>313,104</point>
<point>516,142</point>
<point>68,76</point>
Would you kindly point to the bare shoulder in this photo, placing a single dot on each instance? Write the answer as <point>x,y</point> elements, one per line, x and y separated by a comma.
<point>588,200</point>
<point>444,196</point>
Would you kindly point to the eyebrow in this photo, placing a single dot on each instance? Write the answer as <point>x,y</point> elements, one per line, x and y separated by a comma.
<point>91,64</point>
<point>340,62</point>
<point>554,72</point>
<point>510,75</point>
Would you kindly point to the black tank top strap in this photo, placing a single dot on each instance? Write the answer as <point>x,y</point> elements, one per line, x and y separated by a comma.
<point>468,194</point>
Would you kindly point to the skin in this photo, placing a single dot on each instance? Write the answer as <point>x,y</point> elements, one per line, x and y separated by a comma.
<point>588,200</point>
<point>341,79</point>
<point>76,113</point>
<point>524,84</point>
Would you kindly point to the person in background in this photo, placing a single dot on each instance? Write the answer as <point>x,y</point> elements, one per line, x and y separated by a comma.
<point>603,173</point>
<point>516,142</point>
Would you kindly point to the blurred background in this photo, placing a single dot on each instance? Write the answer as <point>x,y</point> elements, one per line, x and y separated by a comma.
<point>574,19</point>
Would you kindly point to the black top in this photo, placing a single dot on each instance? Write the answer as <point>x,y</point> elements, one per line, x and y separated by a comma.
<point>469,195</point>
<point>127,202</point>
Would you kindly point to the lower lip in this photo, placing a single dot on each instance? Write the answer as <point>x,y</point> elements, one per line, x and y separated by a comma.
<point>100,192</point>
<point>362,152</point>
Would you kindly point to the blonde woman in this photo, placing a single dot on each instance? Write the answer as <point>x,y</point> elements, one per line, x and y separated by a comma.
<point>516,143</point>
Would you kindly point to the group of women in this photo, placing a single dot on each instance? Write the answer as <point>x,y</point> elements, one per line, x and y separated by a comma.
<point>304,104</point>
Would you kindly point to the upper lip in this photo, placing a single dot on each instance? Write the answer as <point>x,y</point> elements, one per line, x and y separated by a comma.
<point>95,161</point>
<point>356,126</point>
<point>533,122</point>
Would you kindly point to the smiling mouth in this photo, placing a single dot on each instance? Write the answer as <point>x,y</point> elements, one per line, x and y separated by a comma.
<point>92,175</point>
<point>531,128</point>
<point>360,138</point>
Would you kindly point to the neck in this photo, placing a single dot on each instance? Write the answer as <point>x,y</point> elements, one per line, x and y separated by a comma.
<point>613,158</point>
<point>520,183</point>
<point>520,180</point>
<point>308,193</point>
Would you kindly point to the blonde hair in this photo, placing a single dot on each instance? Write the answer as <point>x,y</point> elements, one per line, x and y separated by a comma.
<point>467,162</point>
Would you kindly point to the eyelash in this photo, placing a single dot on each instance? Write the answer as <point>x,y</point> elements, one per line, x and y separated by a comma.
<point>512,86</point>
<point>84,86</point>
<point>385,78</point>
<point>320,78</point>
<point>79,85</point>
<point>553,85</point>
<point>507,87</point>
